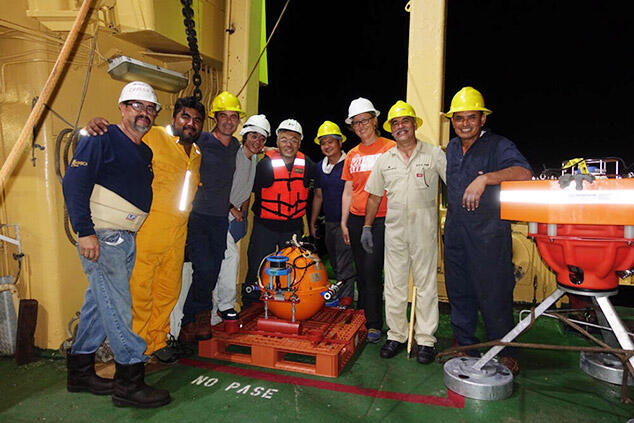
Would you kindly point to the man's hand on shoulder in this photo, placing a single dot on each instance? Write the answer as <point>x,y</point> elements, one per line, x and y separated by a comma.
<point>97,126</point>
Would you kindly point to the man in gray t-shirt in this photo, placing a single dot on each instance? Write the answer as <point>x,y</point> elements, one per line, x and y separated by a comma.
<point>254,134</point>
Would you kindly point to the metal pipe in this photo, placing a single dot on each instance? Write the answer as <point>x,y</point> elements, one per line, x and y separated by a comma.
<point>519,328</point>
<point>619,330</point>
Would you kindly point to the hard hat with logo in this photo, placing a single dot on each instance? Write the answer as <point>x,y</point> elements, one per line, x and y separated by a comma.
<point>329,128</point>
<point>401,109</point>
<point>358,106</point>
<point>290,125</point>
<point>137,90</point>
<point>226,102</point>
<point>467,99</point>
<point>257,123</point>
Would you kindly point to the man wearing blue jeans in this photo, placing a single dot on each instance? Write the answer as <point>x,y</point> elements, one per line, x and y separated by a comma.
<point>108,192</point>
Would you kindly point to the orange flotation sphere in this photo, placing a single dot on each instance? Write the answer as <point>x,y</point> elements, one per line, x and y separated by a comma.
<point>303,285</point>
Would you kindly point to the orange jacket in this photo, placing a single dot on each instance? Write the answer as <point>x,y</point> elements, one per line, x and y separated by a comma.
<point>286,198</point>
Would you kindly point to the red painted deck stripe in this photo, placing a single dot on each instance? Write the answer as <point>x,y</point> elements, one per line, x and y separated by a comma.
<point>452,400</point>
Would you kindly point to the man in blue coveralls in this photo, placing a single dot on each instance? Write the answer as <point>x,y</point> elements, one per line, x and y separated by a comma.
<point>478,245</point>
<point>108,192</point>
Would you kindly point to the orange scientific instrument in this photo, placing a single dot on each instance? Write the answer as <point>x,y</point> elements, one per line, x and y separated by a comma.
<point>583,224</point>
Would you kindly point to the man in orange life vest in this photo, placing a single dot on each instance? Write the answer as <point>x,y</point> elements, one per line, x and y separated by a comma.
<point>282,180</point>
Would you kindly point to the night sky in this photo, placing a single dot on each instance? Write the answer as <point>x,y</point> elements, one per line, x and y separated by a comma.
<point>556,74</point>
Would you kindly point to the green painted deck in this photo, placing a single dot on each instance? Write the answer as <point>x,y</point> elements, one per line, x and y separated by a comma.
<point>549,388</point>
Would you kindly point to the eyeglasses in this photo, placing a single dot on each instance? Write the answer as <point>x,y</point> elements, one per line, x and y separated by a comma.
<point>140,107</point>
<point>362,122</point>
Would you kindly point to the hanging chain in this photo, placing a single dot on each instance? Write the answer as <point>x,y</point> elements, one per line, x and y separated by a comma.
<point>190,30</point>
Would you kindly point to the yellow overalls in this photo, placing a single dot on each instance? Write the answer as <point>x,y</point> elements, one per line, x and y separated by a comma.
<point>156,278</point>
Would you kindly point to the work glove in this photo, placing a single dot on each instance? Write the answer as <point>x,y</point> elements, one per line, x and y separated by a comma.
<point>366,240</point>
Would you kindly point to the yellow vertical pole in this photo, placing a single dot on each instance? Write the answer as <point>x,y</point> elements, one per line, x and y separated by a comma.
<point>242,46</point>
<point>243,43</point>
<point>426,66</point>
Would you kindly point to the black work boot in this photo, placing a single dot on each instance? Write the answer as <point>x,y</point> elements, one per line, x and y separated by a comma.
<point>82,376</point>
<point>130,388</point>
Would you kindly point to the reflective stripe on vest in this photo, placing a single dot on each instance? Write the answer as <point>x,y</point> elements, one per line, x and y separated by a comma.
<point>286,198</point>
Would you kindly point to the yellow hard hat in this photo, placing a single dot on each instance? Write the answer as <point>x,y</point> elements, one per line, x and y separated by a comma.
<point>401,109</point>
<point>329,128</point>
<point>226,102</point>
<point>467,99</point>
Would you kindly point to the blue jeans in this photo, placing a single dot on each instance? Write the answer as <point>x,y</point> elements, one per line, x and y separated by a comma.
<point>206,245</point>
<point>107,309</point>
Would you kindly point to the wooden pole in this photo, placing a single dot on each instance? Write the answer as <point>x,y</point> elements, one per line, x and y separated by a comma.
<point>51,83</point>
<point>412,318</point>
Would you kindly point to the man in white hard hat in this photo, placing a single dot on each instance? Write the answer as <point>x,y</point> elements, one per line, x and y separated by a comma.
<point>362,117</point>
<point>478,247</point>
<point>254,134</point>
<point>282,180</point>
<point>409,175</point>
<point>108,192</point>
<point>156,280</point>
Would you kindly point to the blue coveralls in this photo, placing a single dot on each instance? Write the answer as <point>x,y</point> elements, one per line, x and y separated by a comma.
<point>478,246</point>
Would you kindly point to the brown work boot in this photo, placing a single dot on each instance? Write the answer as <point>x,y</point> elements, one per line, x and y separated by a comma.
<point>511,364</point>
<point>187,334</point>
<point>203,325</point>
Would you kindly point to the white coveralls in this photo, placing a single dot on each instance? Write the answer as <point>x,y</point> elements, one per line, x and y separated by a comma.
<point>411,236</point>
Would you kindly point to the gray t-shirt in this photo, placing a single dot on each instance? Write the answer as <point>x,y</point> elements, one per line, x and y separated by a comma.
<point>243,178</point>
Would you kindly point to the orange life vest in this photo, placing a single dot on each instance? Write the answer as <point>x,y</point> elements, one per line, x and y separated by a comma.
<point>286,198</point>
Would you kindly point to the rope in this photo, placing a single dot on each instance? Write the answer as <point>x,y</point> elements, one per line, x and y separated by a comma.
<point>257,62</point>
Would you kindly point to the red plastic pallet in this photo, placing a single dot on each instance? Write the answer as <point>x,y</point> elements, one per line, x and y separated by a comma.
<point>323,347</point>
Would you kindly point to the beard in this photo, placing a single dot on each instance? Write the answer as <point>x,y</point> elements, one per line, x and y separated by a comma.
<point>183,136</point>
<point>142,124</point>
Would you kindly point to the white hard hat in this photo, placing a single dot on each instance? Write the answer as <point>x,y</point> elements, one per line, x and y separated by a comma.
<point>358,106</point>
<point>257,123</point>
<point>138,90</point>
<point>290,125</point>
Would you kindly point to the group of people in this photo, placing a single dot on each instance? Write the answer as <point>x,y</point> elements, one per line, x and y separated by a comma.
<point>142,197</point>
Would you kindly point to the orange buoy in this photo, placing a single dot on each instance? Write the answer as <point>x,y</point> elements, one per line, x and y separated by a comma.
<point>292,282</point>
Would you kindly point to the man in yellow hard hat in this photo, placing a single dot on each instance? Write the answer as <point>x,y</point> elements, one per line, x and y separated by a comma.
<point>409,176</point>
<point>478,248</point>
<point>208,224</point>
<point>328,192</point>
